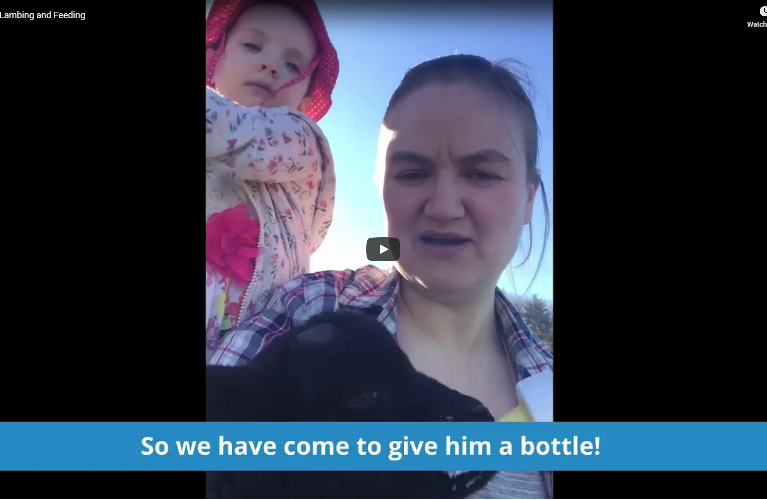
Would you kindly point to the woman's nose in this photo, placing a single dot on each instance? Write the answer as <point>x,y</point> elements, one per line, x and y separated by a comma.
<point>444,202</point>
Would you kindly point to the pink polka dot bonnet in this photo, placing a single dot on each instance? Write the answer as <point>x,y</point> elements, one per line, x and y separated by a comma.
<point>222,15</point>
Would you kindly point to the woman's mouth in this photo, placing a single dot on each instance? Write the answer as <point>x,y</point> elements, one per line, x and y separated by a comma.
<point>443,246</point>
<point>445,241</point>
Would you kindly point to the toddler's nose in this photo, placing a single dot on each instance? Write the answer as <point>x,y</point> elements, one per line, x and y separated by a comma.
<point>271,68</point>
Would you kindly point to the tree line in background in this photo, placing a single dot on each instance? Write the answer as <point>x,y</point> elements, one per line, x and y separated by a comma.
<point>538,315</point>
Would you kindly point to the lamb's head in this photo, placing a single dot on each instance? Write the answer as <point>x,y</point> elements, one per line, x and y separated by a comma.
<point>338,367</point>
<point>345,366</point>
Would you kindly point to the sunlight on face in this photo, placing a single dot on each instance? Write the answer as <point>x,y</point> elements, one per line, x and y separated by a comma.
<point>454,185</point>
<point>385,136</point>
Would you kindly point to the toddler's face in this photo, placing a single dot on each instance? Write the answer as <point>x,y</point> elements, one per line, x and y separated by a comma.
<point>269,45</point>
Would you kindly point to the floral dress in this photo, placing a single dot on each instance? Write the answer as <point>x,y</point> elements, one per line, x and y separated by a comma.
<point>270,193</point>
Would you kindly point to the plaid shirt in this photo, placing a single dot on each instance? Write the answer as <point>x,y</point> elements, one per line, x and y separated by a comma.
<point>369,288</point>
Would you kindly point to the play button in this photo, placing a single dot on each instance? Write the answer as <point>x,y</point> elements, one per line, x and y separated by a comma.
<point>382,249</point>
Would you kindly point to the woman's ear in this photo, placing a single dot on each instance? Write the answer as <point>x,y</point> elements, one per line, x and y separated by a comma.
<point>532,190</point>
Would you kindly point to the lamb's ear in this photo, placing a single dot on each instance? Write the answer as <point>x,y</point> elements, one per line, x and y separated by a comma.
<point>317,335</point>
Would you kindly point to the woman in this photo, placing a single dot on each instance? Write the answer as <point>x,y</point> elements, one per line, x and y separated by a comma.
<point>459,150</point>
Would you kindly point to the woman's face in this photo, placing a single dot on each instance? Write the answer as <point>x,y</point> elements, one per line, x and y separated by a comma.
<point>455,190</point>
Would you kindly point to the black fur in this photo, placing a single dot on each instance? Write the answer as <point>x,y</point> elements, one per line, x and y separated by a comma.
<point>341,366</point>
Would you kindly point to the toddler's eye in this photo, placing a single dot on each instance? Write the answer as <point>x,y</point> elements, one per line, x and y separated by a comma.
<point>252,46</point>
<point>292,67</point>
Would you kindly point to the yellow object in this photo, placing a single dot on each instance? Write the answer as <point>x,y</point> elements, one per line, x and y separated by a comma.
<point>536,399</point>
<point>518,414</point>
<point>223,299</point>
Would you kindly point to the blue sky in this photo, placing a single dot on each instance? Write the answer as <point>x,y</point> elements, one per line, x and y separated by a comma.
<point>376,47</point>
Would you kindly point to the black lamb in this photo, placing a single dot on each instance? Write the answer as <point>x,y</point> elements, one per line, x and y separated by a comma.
<point>338,367</point>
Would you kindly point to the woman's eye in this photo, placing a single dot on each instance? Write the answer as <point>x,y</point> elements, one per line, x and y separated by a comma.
<point>412,175</point>
<point>483,176</point>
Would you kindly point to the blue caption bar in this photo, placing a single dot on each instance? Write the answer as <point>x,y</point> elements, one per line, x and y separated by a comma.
<point>382,446</point>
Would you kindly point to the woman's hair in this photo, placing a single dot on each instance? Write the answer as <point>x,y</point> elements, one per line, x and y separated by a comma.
<point>499,79</point>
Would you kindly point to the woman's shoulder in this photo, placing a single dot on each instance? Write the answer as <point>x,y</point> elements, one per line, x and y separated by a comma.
<point>530,352</point>
<point>299,299</point>
<point>369,275</point>
<point>326,290</point>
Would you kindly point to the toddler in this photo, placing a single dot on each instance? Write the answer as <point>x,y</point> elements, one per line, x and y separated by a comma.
<point>270,184</point>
